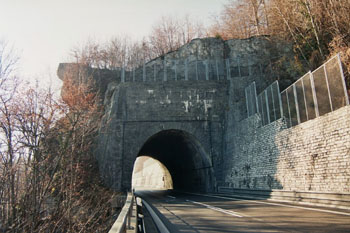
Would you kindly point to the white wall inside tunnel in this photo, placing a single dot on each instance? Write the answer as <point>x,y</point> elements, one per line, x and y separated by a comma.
<point>149,173</point>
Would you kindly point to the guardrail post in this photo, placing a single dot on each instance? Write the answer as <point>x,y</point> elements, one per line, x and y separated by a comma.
<point>130,213</point>
<point>123,221</point>
<point>129,217</point>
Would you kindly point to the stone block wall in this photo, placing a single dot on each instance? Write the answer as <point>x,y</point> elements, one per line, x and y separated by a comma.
<point>312,156</point>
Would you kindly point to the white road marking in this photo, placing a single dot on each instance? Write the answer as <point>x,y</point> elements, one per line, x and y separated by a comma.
<point>171,197</point>
<point>276,204</point>
<point>217,209</point>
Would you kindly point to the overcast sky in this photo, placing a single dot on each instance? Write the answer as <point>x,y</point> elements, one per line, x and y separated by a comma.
<point>44,31</point>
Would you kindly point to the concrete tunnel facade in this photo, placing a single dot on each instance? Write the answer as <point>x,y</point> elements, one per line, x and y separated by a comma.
<point>180,124</point>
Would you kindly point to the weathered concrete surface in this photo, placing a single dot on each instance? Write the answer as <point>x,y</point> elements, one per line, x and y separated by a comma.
<point>187,118</point>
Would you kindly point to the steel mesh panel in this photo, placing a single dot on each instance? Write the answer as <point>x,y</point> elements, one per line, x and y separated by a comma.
<point>321,89</point>
<point>301,101</point>
<point>292,106</point>
<point>264,109</point>
<point>270,104</point>
<point>276,100</point>
<point>285,107</point>
<point>336,83</point>
<point>310,105</point>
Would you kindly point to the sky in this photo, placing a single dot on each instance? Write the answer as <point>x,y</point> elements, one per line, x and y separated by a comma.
<point>43,32</point>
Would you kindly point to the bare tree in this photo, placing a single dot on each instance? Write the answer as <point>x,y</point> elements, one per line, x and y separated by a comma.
<point>8,135</point>
<point>170,33</point>
<point>47,171</point>
<point>241,19</point>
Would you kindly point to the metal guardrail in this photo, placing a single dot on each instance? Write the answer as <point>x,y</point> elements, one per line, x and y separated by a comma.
<point>123,221</point>
<point>122,224</point>
<point>157,221</point>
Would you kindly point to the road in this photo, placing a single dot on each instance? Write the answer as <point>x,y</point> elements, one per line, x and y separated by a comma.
<point>187,212</point>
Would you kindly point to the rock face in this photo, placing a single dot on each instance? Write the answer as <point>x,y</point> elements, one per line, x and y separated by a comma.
<point>187,109</point>
<point>96,79</point>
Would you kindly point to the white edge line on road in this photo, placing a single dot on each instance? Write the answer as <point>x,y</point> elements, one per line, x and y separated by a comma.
<point>276,204</point>
<point>162,228</point>
<point>217,209</point>
<point>171,197</point>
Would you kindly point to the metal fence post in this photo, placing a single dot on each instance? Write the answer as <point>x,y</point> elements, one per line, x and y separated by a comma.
<point>256,97</point>
<point>217,69</point>
<point>165,75</point>
<point>267,107</point>
<point>206,70</point>
<point>343,80</point>
<point>289,115</point>
<point>175,70</point>
<point>307,112</point>
<point>329,92</point>
<point>123,74</point>
<point>262,111</point>
<point>280,98</point>
<point>186,69</point>
<point>154,73</point>
<point>314,94</point>
<point>129,215</point>
<point>144,72</point>
<point>197,70</point>
<point>273,103</point>
<point>296,103</point>
<point>247,100</point>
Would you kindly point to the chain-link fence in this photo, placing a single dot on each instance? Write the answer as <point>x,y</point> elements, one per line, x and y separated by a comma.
<point>187,69</point>
<point>315,94</point>
<point>251,100</point>
<point>269,103</point>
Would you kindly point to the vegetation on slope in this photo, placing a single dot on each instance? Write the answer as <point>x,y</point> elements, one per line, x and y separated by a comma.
<point>48,175</point>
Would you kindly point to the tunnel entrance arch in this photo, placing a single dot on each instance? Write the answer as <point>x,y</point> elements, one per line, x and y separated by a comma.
<point>180,152</point>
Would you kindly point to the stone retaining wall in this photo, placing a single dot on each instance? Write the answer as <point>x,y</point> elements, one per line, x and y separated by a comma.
<point>312,156</point>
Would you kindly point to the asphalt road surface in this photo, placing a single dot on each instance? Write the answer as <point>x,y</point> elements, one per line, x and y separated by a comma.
<point>187,212</point>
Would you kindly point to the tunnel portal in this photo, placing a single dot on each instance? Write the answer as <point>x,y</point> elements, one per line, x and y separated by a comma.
<point>187,162</point>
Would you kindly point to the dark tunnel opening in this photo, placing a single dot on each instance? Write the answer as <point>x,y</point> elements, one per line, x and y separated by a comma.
<point>183,156</point>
